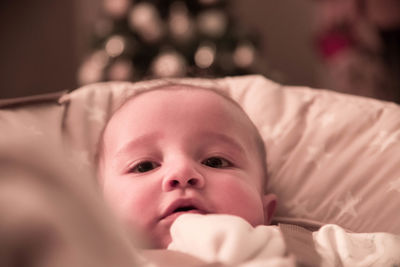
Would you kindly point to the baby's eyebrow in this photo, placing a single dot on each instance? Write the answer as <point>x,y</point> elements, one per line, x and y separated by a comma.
<point>141,140</point>
<point>149,138</point>
<point>223,138</point>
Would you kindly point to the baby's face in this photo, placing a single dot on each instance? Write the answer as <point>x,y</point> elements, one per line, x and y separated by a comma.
<point>170,152</point>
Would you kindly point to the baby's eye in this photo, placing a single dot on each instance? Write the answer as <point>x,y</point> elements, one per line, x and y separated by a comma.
<point>216,162</point>
<point>144,166</point>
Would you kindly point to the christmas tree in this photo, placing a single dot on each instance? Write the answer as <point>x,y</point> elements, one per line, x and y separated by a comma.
<point>135,40</point>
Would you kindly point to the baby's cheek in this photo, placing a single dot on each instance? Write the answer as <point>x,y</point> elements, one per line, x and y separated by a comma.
<point>112,196</point>
<point>126,199</point>
<point>242,199</point>
<point>139,205</point>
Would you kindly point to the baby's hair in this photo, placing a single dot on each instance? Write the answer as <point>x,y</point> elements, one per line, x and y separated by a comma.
<point>172,85</point>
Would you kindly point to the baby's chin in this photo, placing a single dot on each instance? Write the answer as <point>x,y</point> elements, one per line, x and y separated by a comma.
<point>166,241</point>
<point>160,242</point>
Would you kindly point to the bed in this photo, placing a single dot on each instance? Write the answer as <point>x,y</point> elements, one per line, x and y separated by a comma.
<point>331,158</point>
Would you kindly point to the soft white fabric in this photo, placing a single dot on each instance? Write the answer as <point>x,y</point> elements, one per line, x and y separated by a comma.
<point>231,240</point>
<point>340,248</point>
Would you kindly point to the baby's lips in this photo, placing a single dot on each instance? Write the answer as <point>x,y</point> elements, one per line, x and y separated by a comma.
<point>182,206</point>
<point>173,216</point>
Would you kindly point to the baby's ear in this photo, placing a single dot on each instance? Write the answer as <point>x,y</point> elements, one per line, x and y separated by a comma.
<point>269,203</point>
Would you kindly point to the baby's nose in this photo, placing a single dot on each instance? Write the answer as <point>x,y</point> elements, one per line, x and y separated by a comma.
<point>181,182</point>
<point>183,179</point>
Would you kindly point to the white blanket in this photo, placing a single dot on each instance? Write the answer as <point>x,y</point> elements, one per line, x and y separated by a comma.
<point>231,240</point>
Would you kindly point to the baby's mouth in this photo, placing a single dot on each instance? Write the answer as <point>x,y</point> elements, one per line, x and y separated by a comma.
<point>185,209</point>
<point>172,217</point>
<point>181,207</point>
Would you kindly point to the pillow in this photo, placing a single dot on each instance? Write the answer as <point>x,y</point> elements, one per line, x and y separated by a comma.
<point>331,157</point>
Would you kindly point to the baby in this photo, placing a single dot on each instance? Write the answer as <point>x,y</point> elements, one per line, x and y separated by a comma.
<point>172,154</point>
<point>175,150</point>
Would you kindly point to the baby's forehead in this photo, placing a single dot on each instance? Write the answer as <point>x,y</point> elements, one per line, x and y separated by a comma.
<point>207,101</point>
<point>181,97</point>
<point>187,91</point>
<point>186,98</point>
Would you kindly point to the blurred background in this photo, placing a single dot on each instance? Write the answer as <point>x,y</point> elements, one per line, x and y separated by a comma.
<point>350,46</point>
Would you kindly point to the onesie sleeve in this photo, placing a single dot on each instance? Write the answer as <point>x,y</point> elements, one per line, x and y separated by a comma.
<point>340,248</point>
